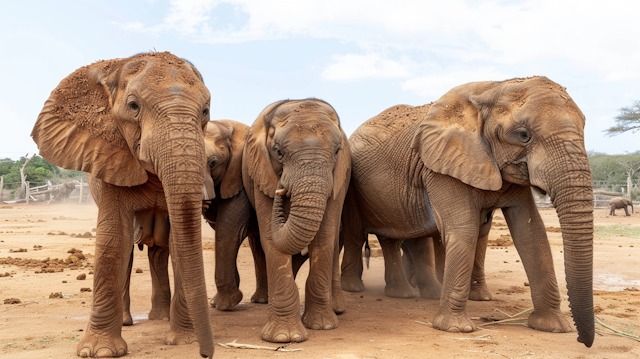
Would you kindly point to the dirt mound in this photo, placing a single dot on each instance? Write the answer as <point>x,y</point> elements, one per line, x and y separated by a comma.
<point>17,250</point>
<point>76,260</point>
<point>56,295</point>
<point>12,301</point>
<point>553,229</point>
<point>85,235</point>
<point>503,241</point>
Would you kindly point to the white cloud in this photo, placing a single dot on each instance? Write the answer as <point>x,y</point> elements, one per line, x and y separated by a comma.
<point>590,35</point>
<point>355,67</point>
<point>437,84</point>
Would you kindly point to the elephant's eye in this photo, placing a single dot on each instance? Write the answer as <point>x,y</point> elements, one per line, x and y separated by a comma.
<point>278,152</point>
<point>338,149</point>
<point>523,135</point>
<point>134,106</point>
<point>205,112</point>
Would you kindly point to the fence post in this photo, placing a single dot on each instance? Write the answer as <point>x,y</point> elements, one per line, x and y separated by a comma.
<point>27,190</point>
<point>1,186</point>
<point>81,186</point>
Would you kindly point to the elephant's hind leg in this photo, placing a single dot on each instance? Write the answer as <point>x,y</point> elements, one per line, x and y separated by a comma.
<point>160,288</point>
<point>352,237</point>
<point>423,256</point>
<point>397,285</point>
<point>479,290</point>
<point>261,295</point>
<point>127,320</point>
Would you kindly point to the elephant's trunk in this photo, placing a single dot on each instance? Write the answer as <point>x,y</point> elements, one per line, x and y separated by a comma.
<point>309,191</point>
<point>571,192</point>
<point>180,165</point>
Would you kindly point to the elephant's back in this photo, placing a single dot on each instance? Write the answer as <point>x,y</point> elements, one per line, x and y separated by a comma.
<point>389,123</point>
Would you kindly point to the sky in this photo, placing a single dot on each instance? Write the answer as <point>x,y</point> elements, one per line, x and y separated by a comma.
<point>360,56</point>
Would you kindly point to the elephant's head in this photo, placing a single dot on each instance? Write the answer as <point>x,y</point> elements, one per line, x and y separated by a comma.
<point>121,120</point>
<point>297,154</point>
<point>528,132</point>
<point>224,144</point>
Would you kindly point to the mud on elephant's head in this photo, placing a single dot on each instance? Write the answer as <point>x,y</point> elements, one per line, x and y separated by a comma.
<point>224,144</point>
<point>528,132</point>
<point>300,157</point>
<point>107,118</point>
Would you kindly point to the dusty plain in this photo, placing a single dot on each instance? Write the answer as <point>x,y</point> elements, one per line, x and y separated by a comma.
<point>374,326</point>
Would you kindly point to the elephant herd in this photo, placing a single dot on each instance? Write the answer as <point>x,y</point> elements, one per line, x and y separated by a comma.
<point>425,180</point>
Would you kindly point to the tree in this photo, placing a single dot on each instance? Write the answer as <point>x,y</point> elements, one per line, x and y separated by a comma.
<point>627,120</point>
<point>631,164</point>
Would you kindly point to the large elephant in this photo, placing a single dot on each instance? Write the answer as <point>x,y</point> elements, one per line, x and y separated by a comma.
<point>442,168</point>
<point>620,202</point>
<point>136,126</point>
<point>296,170</point>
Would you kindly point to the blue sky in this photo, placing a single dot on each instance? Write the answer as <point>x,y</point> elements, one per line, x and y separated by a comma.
<point>360,56</point>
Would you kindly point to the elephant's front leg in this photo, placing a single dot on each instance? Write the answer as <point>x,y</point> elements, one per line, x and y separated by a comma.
<point>397,285</point>
<point>160,287</point>
<point>318,308</point>
<point>283,318</point>
<point>352,237</point>
<point>114,240</point>
<point>530,239</point>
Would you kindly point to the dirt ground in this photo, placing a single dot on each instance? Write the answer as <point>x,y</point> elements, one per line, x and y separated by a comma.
<point>374,325</point>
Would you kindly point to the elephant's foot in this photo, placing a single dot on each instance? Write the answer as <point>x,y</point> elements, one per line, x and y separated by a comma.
<point>352,283</point>
<point>400,289</point>
<point>552,321</point>
<point>160,313</point>
<point>319,319</point>
<point>127,320</point>
<point>180,337</point>
<point>226,300</point>
<point>261,296</point>
<point>452,322</point>
<point>284,331</point>
<point>338,301</point>
<point>431,290</point>
<point>101,345</point>
<point>479,292</point>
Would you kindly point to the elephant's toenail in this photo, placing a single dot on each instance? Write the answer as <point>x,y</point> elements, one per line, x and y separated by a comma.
<point>468,329</point>
<point>280,338</point>
<point>328,326</point>
<point>454,330</point>
<point>296,338</point>
<point>315,326</point>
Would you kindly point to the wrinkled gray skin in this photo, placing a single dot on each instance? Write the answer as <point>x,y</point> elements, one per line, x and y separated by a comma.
<point>440,169</point>
<point>620,202</point>
<point>65,191</point>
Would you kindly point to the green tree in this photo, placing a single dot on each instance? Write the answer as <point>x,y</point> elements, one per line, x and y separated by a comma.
<point>627,120</point>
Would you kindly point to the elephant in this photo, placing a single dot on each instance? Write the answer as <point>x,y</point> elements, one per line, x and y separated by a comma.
<point>441,168</point>
<point>136,126</point>
<point>64,191</point>
<point>296,170</point>
<point>620,202</point>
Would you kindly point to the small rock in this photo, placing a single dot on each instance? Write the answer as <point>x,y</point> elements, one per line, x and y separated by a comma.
<point>526,284</point>
<point>56,295</point>
<point>81,276</point>
<point>138,270</point>
<point>517,261</point>
<point>64,281</point>
<point>85,289</point>
<point>17,250</point>
<point>12,301</point>
<point>506,262</point>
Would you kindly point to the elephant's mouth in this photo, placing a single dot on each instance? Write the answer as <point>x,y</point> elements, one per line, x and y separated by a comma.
<point>539,190</point>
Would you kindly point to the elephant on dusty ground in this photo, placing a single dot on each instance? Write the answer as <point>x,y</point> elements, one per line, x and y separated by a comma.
<point>620,202</point>
<point>230,214</point>
<point>442,168</point>
<point>136,126</point>
<point>296,169</point>
<point>64,191</point>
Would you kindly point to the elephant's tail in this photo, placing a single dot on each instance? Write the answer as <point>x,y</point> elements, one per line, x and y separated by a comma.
<point>367,252</point>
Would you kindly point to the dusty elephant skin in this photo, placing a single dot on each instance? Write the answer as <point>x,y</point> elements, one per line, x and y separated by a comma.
<point>442,168</point>
<point>618,203</point>
<point>229,213</point>
<point>136,126</point>
<point>296,169</point>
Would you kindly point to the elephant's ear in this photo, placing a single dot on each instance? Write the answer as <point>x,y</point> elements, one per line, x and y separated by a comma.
<point>342,171</point>
<point>450,138</point>
<point>256,159</point>
<point>231,184</point>
<point>76,128</point>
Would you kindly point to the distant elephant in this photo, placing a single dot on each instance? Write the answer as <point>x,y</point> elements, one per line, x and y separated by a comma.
<point>296,170</point>
<point>136,126</point>
<point>483,144</point>
<point>230,214</point>
<point>64,191</point>
<point>620,202</point>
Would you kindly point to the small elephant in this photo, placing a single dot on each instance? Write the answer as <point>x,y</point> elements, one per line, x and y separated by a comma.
<point>620,202</point>
<point>136,126</point>
<point>441,168</point>
<point>296,170</point>
<point>64,191</point>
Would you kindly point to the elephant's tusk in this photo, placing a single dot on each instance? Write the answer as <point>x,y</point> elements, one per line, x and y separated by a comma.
<point>281,192</point>
<point>305,250</point>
